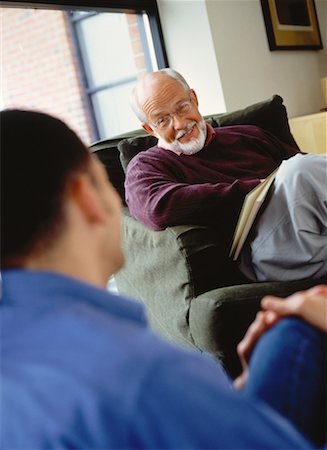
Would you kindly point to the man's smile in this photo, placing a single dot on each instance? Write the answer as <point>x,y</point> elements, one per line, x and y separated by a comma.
<point>186,136</point>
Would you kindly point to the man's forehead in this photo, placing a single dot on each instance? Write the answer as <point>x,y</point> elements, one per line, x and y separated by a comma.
<point>161,94</point>
<point>153,84</point>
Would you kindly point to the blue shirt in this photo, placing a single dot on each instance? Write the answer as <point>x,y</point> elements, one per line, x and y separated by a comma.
<point>80,369</point>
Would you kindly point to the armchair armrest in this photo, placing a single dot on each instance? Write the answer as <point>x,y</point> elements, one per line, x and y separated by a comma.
<point>156,273</point>
<point>167,269</point>
<point>219,319</point>
<point>180,275</point>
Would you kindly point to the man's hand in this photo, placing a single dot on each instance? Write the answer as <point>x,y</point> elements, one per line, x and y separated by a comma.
<point>310,305</point>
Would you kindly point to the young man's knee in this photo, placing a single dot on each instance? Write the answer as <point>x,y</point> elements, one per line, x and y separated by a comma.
<point>297,328</point>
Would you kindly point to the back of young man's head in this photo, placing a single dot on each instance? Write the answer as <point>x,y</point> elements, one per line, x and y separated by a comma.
<point>39,155</point>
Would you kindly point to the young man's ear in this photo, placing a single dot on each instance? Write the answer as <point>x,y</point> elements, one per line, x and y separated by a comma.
<point>86,197</point>
<point>148,129</point>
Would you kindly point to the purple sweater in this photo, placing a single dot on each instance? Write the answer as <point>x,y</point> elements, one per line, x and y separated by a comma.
<point>208,188</point>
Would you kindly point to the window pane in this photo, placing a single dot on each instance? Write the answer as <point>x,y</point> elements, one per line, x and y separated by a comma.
<point>106,48</point>
<point>115,48</point>
<point>39,69</point>
<point>113,111</point>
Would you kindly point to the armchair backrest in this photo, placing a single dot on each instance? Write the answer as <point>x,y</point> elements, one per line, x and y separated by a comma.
<point>116,153</point>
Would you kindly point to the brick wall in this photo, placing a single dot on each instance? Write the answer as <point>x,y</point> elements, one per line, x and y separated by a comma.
<point>39,67</point>
<point>136,42</point>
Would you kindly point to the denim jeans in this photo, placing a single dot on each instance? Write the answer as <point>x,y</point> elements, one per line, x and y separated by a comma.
<point>288,370</point>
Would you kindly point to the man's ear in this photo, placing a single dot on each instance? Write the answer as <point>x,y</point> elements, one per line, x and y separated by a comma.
<point>194,97</point>
<point>148,129</point>
<point>86,197</point>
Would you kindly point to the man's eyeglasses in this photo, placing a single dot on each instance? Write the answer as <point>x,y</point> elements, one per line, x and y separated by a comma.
<point>165,121</point>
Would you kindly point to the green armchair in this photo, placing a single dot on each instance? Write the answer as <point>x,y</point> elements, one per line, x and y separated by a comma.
<point>193,292</point>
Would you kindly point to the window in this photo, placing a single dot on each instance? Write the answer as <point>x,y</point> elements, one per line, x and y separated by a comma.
<point>81,64</point>
<point>111,65</point>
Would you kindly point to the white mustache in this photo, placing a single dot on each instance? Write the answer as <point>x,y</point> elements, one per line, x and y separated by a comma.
<point>193,146</point>
<point>181,133</point>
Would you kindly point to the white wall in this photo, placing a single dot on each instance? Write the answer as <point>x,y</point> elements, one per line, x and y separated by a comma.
<point>191,51</point>
<point>321,6</point>
<point>221,47</point>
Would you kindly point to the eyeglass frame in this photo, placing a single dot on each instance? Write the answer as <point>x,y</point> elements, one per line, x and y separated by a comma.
<point>171,115</point>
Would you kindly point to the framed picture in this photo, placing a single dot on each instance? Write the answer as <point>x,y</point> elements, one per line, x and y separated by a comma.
<point>291,24</point>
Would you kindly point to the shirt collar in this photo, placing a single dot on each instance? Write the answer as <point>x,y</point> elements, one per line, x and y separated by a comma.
<point>210,134</point>
<point>32,288</point>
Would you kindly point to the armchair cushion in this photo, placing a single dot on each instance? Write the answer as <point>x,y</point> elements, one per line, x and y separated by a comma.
<point>270,115</point>
<point>107,151</point>
<point>130,147</point>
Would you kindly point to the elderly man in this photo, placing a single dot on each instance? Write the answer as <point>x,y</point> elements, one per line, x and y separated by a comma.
<point>197,174</point>
<point>79,367</point>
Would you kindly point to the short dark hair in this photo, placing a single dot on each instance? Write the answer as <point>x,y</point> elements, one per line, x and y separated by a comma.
<point>39,154</point>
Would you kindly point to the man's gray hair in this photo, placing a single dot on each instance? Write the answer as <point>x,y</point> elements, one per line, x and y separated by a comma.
<point>134,100</point>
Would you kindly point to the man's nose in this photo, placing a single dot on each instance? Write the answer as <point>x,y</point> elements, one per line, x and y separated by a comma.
<point>179,122</point>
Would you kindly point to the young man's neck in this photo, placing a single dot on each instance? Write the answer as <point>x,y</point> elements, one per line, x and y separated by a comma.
<point>86,268</point>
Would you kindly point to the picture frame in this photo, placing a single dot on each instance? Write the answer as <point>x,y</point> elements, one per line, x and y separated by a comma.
<point>291,24</point>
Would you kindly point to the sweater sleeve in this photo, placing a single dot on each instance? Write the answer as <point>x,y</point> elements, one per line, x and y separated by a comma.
<point>157,199</point>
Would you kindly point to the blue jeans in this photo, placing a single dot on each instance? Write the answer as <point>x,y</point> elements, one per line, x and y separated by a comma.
<point>288,370</point>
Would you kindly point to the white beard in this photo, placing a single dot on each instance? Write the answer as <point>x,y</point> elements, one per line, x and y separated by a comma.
<point>188,148</point>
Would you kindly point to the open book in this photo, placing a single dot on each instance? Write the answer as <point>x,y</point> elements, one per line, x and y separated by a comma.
<point>251,205</point>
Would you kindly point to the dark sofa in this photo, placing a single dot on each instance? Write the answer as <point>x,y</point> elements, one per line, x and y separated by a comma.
<point>193,292</point>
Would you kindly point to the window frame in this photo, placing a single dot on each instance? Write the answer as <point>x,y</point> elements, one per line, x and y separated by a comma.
<point>90,89</point>
<point>148,7</point>
<point>124,6</point>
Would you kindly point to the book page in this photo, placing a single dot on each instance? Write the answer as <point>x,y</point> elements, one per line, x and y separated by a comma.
<point>251,205</point>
